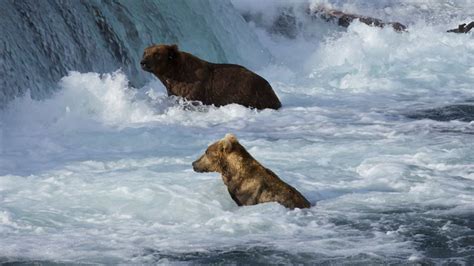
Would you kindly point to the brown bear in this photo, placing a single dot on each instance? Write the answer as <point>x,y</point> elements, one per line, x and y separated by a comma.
<point>247,181</point>
<point>194,79</point>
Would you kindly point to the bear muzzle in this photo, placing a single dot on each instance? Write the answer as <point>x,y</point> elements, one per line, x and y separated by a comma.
<point>199,166</point>
<point>196,167</point>
<point>145,64</point>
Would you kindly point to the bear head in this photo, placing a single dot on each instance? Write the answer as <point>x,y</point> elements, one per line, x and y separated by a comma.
<point>215,157</point>
<point>158,57</point>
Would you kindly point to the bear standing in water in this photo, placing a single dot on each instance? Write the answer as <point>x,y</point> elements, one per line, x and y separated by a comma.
<point>185,75</point>
<point>247,181</point>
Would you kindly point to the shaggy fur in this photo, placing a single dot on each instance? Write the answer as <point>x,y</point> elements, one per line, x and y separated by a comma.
<point>194,79</point>
<point>247,181</point>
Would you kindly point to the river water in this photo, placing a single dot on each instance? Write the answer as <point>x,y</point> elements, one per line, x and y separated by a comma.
<point>376,130</point>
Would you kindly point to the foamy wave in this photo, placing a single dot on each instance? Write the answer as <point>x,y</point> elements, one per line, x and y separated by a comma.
<point>87,100</point>
<point>101,172</point>
<point>84,100</point>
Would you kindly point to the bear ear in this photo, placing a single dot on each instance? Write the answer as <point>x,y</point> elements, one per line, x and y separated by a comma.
<point>226,146</point>
<point>172,51</point>
<point>228,142</point>
<point>230,137</point>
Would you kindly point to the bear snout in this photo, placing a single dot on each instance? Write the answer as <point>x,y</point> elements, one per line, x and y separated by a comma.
<point>201,165</point>
<point>145,65</point>
<point>196,167</point>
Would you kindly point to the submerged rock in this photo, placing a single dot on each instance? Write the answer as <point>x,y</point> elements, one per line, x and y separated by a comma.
<point>463,28</point>
<point>461,112</point>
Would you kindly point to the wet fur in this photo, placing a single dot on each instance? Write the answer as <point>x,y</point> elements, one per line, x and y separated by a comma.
<point>186,75</point>
<point>247,181</point>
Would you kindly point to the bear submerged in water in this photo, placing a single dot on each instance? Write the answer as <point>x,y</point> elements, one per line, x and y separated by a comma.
<point>247,181</point>
<point>194,79</point>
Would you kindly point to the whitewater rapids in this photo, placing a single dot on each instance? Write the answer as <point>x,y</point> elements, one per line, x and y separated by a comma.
<point>101,172</point>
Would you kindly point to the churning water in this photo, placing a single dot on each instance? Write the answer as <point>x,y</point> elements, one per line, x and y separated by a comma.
<point>376,130</point>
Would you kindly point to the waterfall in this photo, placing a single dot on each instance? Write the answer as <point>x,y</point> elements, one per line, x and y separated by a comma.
<point>40,42</point>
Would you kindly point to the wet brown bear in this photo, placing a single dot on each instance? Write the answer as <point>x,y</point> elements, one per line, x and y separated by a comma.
<point>247,181</point>
<point>185,75</point>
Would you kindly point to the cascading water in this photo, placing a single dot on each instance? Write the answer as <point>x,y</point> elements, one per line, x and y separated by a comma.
<point>41,42</point>
<point>375,130</point>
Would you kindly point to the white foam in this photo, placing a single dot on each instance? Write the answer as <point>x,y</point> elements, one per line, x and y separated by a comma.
<point>101,172</point>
